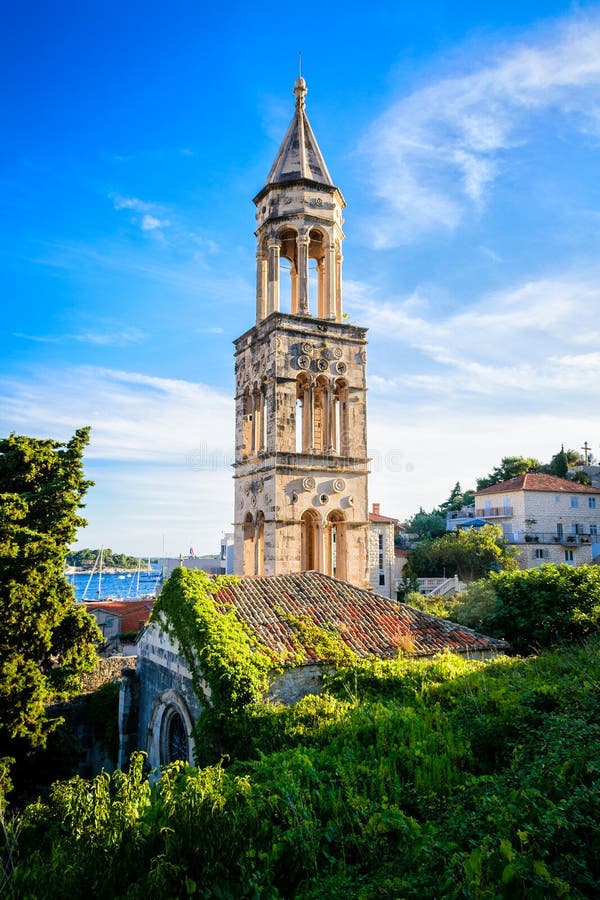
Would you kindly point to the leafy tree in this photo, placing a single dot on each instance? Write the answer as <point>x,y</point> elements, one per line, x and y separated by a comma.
<point>427,524</point>
<point>544,606</point>
<point>469,553</point>
<point>423,563</point>
<point>559,464</point>
<point>457,499</point>
<point>510,467</point>
<point>46,640</point>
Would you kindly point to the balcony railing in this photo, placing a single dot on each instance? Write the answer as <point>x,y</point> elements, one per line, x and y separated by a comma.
<point>540,537</point>
<point>494,512</point>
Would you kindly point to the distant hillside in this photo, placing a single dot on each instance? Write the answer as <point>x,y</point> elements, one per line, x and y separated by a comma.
<point>86,559</point>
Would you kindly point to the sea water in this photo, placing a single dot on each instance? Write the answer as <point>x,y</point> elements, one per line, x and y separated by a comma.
<point>121,586</point>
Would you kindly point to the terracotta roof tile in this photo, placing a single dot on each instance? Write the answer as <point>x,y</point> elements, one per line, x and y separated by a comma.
<point>375,517</point>
<point>370,624</point>
<point>533,482</point>
<point>133,613</point>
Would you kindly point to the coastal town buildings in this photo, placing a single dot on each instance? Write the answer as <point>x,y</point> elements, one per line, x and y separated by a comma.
<point>547,519</point>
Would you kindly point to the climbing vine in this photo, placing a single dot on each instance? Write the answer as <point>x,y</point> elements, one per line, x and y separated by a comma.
<point>230,667</point>
<point>325,644</point>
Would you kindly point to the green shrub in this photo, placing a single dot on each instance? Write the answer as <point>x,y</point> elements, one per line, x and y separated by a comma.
<point>405,778</point>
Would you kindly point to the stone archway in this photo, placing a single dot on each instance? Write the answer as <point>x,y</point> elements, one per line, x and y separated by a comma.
<point>170,731</point>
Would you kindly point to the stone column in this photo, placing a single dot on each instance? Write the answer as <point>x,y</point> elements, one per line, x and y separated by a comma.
<point>338,286</point>
<point>294,291</point>
<point>273,277</point>
<point>309,395</point>
<point>303,299</point>
<point>330,286</point>
<point>261,285</point>
<point>331,429</point>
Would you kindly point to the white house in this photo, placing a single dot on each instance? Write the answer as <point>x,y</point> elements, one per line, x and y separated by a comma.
<point>548,519</point>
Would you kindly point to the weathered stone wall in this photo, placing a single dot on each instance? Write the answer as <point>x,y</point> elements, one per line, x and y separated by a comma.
<point>108,669</point>
<point>294,684</point>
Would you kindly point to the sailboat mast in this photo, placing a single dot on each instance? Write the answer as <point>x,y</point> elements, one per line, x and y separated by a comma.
<point>100,573</point>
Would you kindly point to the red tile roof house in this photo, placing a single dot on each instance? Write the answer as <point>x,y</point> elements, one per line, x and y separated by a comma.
<point>116,618</point>
<point>547,519</point>
<point>159,707</point>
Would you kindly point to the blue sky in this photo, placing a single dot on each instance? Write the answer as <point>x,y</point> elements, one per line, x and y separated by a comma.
<point>466,141</point>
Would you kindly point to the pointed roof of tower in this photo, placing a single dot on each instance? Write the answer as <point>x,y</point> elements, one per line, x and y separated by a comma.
<point>299,155</point>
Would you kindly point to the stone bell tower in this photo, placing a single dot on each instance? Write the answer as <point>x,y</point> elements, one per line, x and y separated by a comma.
<point>301,462</point>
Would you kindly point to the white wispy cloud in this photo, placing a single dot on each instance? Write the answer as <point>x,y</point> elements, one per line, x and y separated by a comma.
<point>150,223</point>
<point>134,203</point>
<point>148,218</point>
<point>134,416</point>
<point>160,452</point>
<point>435,154</point>
<point>526,344</point>
<point>113,337</point>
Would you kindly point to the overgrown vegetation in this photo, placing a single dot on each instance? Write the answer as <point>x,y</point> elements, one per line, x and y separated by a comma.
<point>532,609</point>
<point>442,778</point>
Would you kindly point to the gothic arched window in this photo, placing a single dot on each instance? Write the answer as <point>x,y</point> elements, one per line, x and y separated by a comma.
<point>335,545</point>
<point>259,558</point>
<point>248,545</point>
<point>311,540</point>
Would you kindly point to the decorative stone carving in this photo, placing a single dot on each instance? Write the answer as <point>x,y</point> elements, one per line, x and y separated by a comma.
<point>341,368</point>
<point>308,483</point>
<point>323,499</point>
<point>339,485</point>
<point>337,352</point>
<point>304,362</point>
<point>306,347</point>
<point>322,365</point>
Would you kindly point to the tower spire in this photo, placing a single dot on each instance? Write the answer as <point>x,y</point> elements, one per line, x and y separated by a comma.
<point>299,156</point>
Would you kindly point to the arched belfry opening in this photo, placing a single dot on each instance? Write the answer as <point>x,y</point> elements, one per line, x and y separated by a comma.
<point>248,537</point>
<point>311,541</point>
<point>335,545</point>
<point>301,462</point>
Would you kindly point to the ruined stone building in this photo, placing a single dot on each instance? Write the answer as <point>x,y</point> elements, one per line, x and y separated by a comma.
<point>301,462</point>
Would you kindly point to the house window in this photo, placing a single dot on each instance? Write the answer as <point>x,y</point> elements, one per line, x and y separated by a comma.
<point>594,530</point>
<point>557,498</point>
<point>568,556</point>
<point>539,553</point>
<point>592,502</point>
<point>559,529</point>
<point>574,502</point>
<point>381,578</point>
